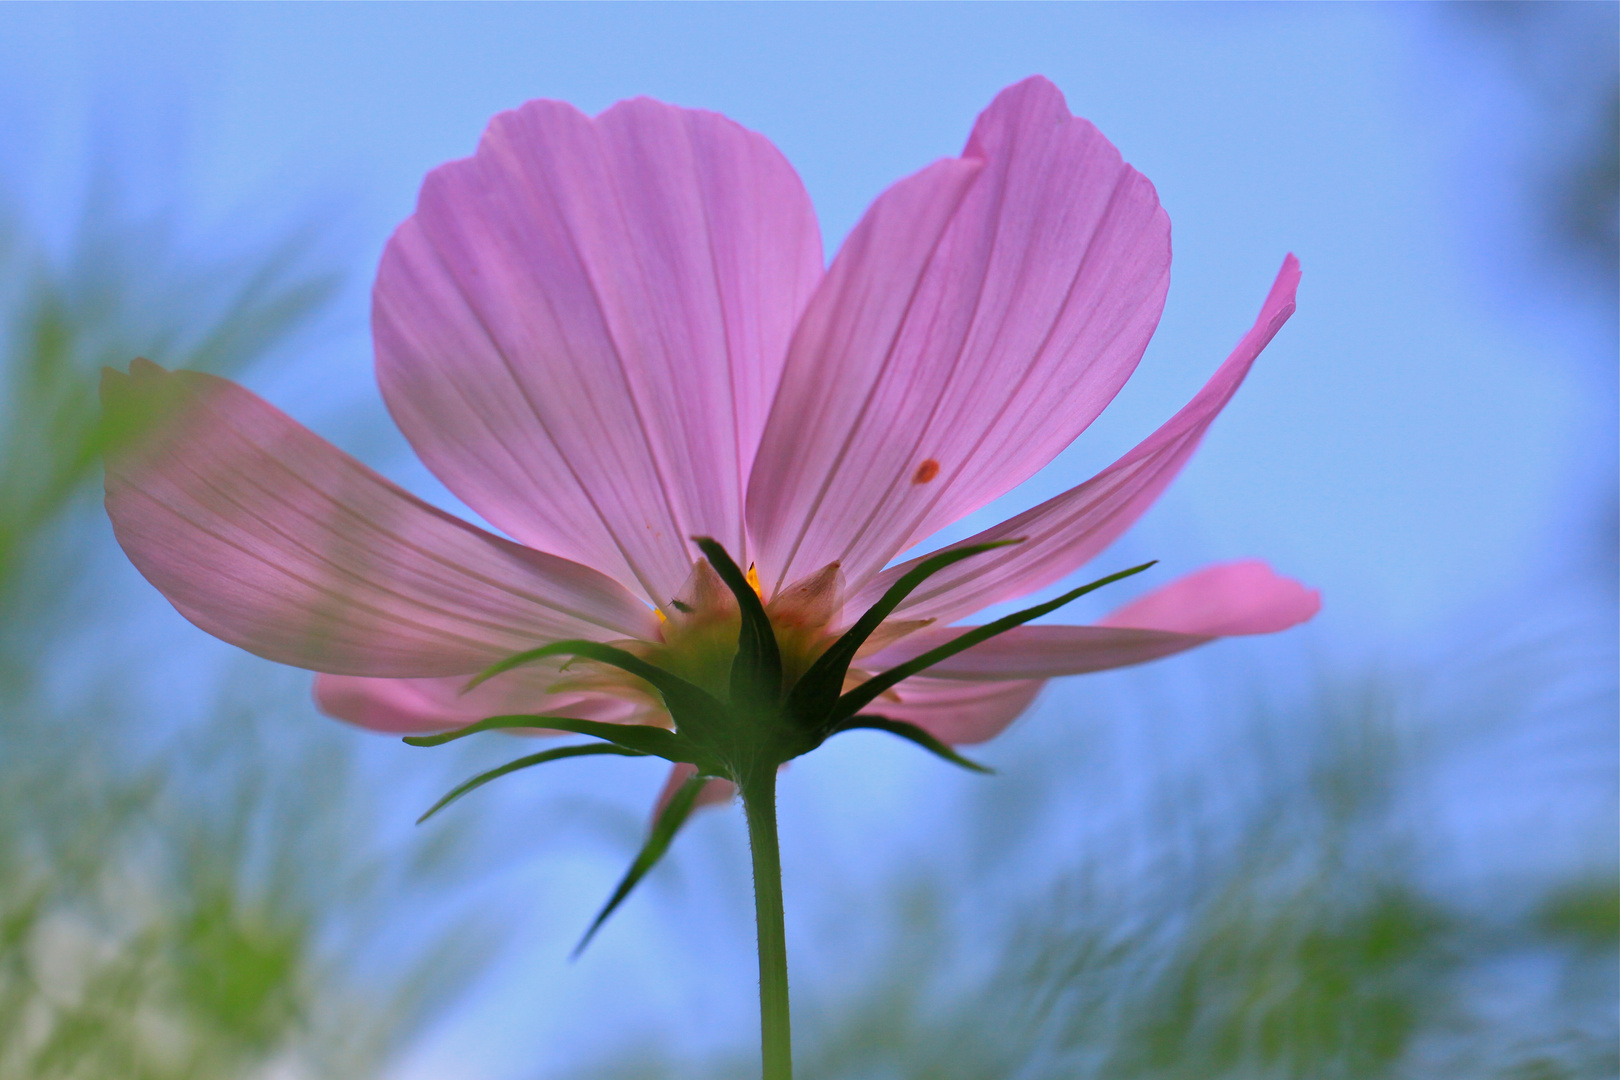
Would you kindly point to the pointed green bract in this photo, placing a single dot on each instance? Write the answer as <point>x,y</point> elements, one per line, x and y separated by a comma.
<point>658,840</point>
<point>756,671</point>
<point>685,699</point>
<point>864,694</point>
<point>812,697</point>
<point>523,763</point>
<point>916,735</point>
<point>641,738</point>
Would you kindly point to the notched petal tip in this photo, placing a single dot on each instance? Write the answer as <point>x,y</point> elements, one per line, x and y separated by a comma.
<point>144,409</point>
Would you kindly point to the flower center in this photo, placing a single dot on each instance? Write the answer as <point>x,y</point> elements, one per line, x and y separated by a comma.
<point>700,627</point>
<point>698,637</point>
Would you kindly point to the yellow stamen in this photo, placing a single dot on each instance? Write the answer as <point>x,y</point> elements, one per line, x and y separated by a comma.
<point>753,581</point>
<point>661,616</point>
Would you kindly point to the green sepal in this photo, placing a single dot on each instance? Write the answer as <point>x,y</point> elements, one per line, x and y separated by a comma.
<point>658,841</point>
<point>864,694</point>
<point>812,697</point>
<point>684,699</point>
<point>916,735</point>
<point>641,738</point>
<point>756,671</point>
<point>523,763</point>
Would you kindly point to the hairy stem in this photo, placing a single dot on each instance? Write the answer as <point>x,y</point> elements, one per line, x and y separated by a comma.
<point>759,803</point>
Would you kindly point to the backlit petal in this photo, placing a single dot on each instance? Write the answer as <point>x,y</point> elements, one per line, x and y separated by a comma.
<point>415,706</point>
<point>583,325</point>
<point>959,713</point>
<point>1244,597</point>
<point>267,536</point>
<point>978,318</point>
<point>1067,531</point>
<point>1037,652</point>
<point>1227,599</point>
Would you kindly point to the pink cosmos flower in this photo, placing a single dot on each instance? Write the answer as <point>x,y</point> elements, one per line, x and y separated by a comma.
<point>609,336</point>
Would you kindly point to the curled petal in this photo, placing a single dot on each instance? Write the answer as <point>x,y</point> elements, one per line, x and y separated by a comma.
<point>978,318</point>
<point>583,325</point>
<point>422,706</point>
<point>1068,530</point>
<point>265,535</point>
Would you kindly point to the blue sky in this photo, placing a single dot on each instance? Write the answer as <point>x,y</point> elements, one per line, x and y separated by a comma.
<point>1400,444</point>
<point>1407,443</point>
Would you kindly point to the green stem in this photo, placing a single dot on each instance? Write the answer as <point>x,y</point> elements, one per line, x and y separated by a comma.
<point>759,803</point>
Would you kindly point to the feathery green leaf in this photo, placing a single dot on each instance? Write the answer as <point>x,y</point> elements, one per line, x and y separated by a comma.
<point>858,698</point>
<point>684,699</point>
<point>641,738</point>
<point>916,735</point>
<point>756,672</point>
<point>816,691</point>
<point>658,841</point>
<point>523,763</point>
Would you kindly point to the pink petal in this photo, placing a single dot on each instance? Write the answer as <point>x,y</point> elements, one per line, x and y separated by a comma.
<point>267,536</point>
<point>959,713</point>
<point>712,794</point>
<point>1037,652</point>
<point>583,325</point>
<point>1218,601</point>
<point>978,318</point>
<point>1244,597</point>
<point>410,706</point>
<point>1065,532</point>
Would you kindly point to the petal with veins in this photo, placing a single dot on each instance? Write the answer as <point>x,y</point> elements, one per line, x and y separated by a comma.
<point>1037,652</point>
<point>1227,599</point>
<point>979,317</point>
<point>265,535</point>
<point>1067,531</point>
<point>582,328</point>
<point>418,706</point>
<point>1244,597</point>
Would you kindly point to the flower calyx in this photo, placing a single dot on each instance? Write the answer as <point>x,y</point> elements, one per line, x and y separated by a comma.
<point>746,685</point>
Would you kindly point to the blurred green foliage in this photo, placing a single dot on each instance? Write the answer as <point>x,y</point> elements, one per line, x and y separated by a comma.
<point>125,289</point>
<point>1296,937</point>
<point>203,906</point>
<point>1586,912</point>
<point>196,903</point>
<point>1305,936</point>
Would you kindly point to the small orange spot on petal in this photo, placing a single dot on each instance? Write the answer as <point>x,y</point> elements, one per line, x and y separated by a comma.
<point>925,472</point>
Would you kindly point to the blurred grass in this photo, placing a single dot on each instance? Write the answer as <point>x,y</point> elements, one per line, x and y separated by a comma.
<point>198,903</point>
<point>205,904</point>
<point>1296,934</point>
<point>124,289</point>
